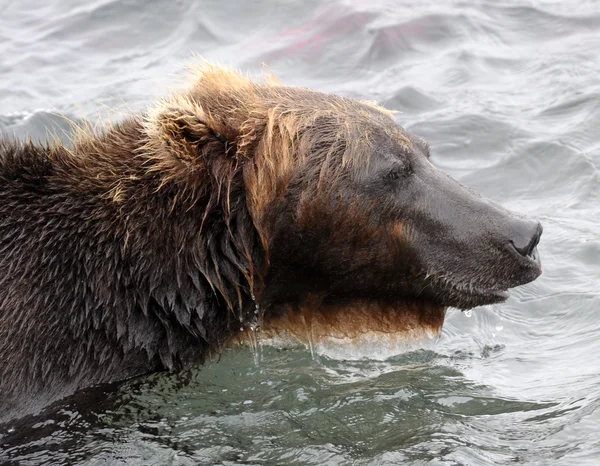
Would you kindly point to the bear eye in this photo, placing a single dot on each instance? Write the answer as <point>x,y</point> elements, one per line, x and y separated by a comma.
<point>394,175</point>
<point>399,171</point>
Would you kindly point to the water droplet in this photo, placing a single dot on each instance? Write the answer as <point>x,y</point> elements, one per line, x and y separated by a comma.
<point>309,338</point>
<point>468,313</point>
<point>241,329</point>
<point>253,298</point>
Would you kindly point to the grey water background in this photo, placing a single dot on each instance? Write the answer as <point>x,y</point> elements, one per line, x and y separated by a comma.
<point>507,93</point>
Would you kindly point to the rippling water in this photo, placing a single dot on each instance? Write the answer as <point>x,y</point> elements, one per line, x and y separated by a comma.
<point>507,93</point>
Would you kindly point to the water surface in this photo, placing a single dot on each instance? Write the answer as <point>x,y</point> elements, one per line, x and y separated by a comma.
<point>507,93</point>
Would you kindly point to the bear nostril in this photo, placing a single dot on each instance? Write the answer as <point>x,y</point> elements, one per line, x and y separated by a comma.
<point>527,238</point>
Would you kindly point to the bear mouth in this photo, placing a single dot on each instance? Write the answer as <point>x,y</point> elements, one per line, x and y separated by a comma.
<point>474,297</point>
<point>467,295</point>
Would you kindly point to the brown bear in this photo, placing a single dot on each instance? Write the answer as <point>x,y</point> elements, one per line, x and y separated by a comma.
<point>230,207</point>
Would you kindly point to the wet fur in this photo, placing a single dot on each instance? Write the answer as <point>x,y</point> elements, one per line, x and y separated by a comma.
<point>150,245</point>
<point>139,248</point>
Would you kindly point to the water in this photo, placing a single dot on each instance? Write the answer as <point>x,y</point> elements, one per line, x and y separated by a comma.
<point>507,93</point>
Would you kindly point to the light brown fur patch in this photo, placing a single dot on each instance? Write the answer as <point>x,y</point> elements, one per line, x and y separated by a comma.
<point>350,321</point>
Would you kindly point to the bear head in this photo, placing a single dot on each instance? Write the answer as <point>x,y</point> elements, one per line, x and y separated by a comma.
<point>348,210</point>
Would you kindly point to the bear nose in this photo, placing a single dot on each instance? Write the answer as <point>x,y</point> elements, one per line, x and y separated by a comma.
<point>526,236</point>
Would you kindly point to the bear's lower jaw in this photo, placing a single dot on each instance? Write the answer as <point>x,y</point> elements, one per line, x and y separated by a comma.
<point>465,300</point>
<point>370,325</point>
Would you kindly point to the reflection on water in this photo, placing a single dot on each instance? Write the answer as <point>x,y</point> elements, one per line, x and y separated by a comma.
<point>507,93</point>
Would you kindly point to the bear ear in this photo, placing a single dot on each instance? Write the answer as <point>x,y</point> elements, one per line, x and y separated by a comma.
<point>220,106</point>
<point>184,128</point>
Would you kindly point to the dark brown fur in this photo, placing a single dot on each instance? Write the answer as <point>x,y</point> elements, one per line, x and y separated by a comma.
<point>136,250</point>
